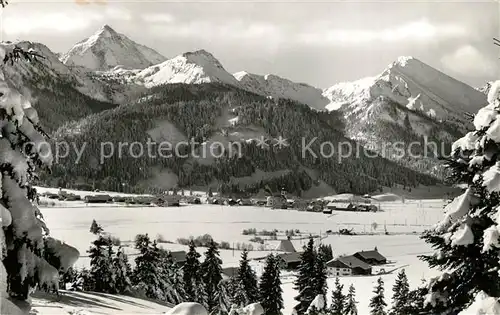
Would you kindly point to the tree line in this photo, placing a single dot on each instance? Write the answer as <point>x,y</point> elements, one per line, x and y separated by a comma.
<point>194,111</point>
<point>156,275</point>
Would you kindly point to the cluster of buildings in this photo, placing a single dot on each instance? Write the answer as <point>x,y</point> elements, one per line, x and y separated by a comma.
<point>263,199</point>
<point>360,263</point>
<point>163,200</point>
<point>346,205</point>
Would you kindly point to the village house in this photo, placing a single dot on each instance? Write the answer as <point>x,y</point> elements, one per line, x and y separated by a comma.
<point>179,257</point>
<point>167,200</point>
<point>193,200</point>
<point>327,211</point>
<point>244,202</point>
<point>366,208</point>
<point>285,246</point>
<point>259,202</point>
<point>229,272</point>
<point>98,199</point>
<point>348,266</point>
<point>315,206</point>
<point>341,206</point>
<point>290,261</point>
<point>276,202</point>
<point>119,199</point>
<point>372,257</point>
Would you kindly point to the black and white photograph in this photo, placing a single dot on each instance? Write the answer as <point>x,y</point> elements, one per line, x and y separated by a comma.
<point>239,157</point>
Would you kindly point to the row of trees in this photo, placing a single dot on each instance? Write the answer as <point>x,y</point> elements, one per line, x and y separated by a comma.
<point>157,276</point>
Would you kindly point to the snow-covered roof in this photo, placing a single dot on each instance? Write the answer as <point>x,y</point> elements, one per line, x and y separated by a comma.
<point>285,246</point>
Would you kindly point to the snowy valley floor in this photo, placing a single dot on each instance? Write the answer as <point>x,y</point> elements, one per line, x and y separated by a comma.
<point>404,222</point>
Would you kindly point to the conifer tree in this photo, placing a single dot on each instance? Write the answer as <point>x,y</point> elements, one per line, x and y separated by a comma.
<point>70,276</point>
<point>147,273</point>
<point>338,299</point>
<point>416,299</point>
<point>377,302</point>
<point>466,241</point>
<point>156,274</point>
<point>325,252</point>
<point>85,281</point>
<point>95,228</point>
<point>212,275</point>
<point>350,306</point>
<point>246,280</point>
<point>101,264</point>
<point>123,271</point>
<point>171,279</point>
<point>320,275</point>
<point>223,298</point>
<point>191,275</point>
<point>313,310</point>
<point>270,290</point>
<point>304,283</point>
<point>400,297</point>
<point>28,259</point>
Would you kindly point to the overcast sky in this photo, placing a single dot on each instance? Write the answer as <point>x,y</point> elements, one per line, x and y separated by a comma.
<point>320,43</point>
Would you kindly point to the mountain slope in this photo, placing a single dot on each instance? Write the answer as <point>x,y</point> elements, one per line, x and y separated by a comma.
<point>409,100</point>
<point>202,67</point>
<point>413,84</point>
<point>107,49</point>
<point>191,68</point>
<point>59,94</point>
<point>207,114</point>
<point>277,87</point>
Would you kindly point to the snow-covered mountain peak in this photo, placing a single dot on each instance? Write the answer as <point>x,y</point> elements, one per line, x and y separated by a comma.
<point>240,75</point>
<point>411,83</point>
<point>408,98</point>
<point>106,31</point>
<point>404,60</point>
<point>106,49</point>
<point>191,68</point>
<point>202,57</point>
<point>278,87</point>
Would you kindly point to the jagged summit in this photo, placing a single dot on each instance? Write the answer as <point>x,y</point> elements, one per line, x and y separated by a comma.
<point>412,84</point>
<point>193,67</point>
<point>107,28</point>
<point>202,56</point>
<point>404,60</point>
<point>106,31</point>
<point>106,49</point>
<point>278,87</point>
<point>409,99</point>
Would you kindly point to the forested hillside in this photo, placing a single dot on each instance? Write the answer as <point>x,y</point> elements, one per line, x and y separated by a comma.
<point>54,89</point>
<point>62,103</point>
<point>196,111</point>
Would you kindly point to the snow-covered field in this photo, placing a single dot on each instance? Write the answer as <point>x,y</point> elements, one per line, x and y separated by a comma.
<point>403,222</point>
<point>91,303</point>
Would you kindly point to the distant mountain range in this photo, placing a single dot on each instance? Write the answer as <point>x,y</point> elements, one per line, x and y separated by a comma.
<point>408,101</point>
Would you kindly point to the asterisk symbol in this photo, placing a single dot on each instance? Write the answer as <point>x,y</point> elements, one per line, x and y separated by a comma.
<point>281,142</point>
<point>262,143</point>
